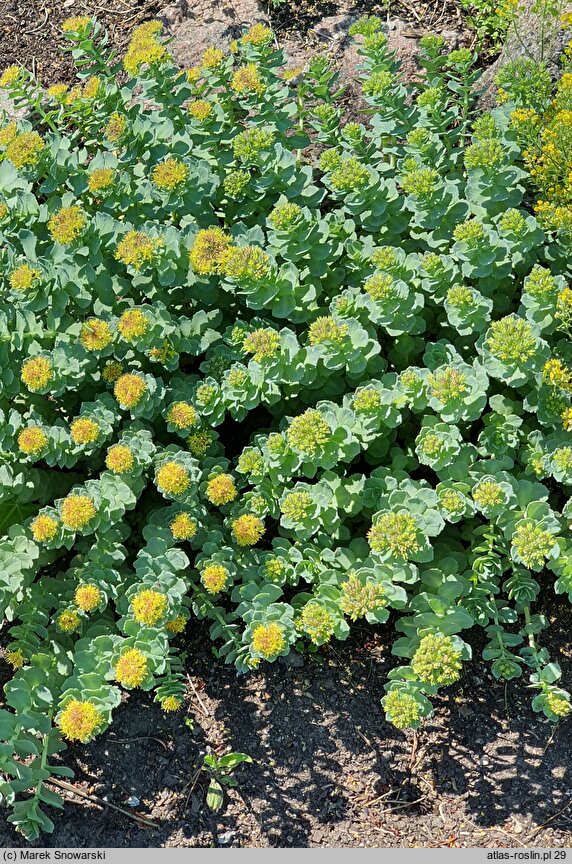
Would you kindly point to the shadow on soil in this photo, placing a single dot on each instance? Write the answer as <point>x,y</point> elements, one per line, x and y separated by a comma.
<point>328,769</point>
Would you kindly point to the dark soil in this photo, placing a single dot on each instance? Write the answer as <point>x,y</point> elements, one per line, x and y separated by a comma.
<point>30,30</point>
<point>328,770</point>
<point>299,17</point>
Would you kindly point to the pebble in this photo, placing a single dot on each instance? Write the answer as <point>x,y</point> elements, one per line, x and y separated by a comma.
<point>133,801</point>
<point>226,838</point>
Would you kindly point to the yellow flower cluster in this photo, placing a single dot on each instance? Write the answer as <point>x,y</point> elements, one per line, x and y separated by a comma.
<point>246,80</point>
<point>170,174</point>
<point>32,440</point>
<point>268,640</point>
<point>87,597</point>
<point>115,127</point>
<point>172,478</point>
<point>25,149</point>
<point>78,24</point>
<point>68,621</point>
<point>67,225</point>
<point>214,578</point>
<point>23,278</point>
<point>183,527</point>
<point>177,624</point>
<point>129,389</point>
<point>37,373</point>
<point>145,48</point>
<point>119,459</point>
<point>207,252</point>
<point>247,529</point>
<point>95,334</point>
<point>15,658</point>
<point>200,109</point>
<point>10,76</point>
<point>149,607</point>
<point>136,249</point>
<point>133,324</point>
<point>77,511</point>
<point>79,720</point>
<point>100,179</point>
<point>182,415</point>
<point>131,668</point>
<point>557,374</point>
<point>221,490</point>
<point>44,528</point>
<point>84,431</point>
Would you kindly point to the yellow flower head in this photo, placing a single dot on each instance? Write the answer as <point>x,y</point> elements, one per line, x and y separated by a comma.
<point>119,459</point>
<point>79,720</point>
<point>58,91</point>
<point>263,344</point>
<point>136,249</point>
<point>207,251</point>
<point>23,278</point>
<point>171,703</point>
<point>8,133</point>
<point>172,479</point>
<point>68,621</point>
<point>10,75</point>
<point>200,109</point>
<point>183,527</point>
<point>129,390</point>
<point>112,371</point>
<point>567,419</point>
<point>95,334</point>
<point>176,625</point>
<point>214,578</point>
<point>77,511</point>
<point>100,179</point>
<point>67,224</point>
<point>170,174</point>
<point>44,528</point>
<point>145,48</point>
<point>149,607</point>
<point>87,597</point>
<point>15,658</point>
<point>182,415</point>
<point>37,373</point>
<point>268,640</point>
<point>32,440</point>
<point>78,24</point>
<point>326,329</point>
<point>91,88</point>
<point>193,74</point>
<point>221,489</point>
<point>257,35</point>
<point>247,80</point>
<point>115,128</point>
<point>133,324</point>
<point>25,149</point>
<point>131,668</point>
<point>84,431</point>
<point>212,58</point>
<point>247,529</point>
<point>488,493</point>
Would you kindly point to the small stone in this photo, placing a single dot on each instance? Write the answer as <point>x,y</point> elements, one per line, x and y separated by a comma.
<point>133,801</point>
<point>226,838</point>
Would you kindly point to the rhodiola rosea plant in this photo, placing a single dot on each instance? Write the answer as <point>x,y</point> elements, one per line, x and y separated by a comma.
<point>276,386</point>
